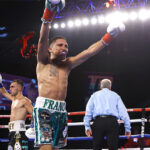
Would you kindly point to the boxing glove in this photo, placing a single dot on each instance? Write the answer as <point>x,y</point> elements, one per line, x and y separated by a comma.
<point>51,7</point>
<point>112,31</point>
<point>1,85</point>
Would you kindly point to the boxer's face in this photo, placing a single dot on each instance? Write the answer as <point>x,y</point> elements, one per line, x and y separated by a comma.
<point>14,88</point>
<point>59,49</point>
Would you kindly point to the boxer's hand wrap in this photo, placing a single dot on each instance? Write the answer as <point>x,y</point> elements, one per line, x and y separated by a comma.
<point>107,38</point>
<point>112,31</point>
<point>1,85</point>
<point>51,7</point>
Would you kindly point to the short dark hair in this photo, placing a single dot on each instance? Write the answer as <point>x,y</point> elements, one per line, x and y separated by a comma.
<point>20,82</point>
<point>53,40</point>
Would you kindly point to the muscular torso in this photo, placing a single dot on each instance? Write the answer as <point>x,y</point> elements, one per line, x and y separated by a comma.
<point>52,81</point>
<point>18,110</point>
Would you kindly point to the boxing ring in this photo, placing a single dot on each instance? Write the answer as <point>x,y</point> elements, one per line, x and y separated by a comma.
<point>140,136</point>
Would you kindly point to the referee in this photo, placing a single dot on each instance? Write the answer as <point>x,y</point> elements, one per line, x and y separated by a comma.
<point>105,107</point>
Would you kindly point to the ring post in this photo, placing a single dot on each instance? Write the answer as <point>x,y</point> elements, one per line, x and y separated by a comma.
<point>142,128</point>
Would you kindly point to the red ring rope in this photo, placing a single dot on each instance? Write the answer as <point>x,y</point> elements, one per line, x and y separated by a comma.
<point>83,112</point>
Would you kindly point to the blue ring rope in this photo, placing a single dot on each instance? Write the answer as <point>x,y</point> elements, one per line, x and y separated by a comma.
<point>90,138</point>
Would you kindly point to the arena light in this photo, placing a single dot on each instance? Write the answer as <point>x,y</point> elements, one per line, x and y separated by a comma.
<point>143,14</point>
<point>70,24</point>
<point>94,21</point>
<point>109,18</point>
<point>110,4</point>
<point>125,16</point>
<point>77,22</point>
<point>107,4</point>
<point>116,16</point>
<point>85,21</point>
<point>148,14</point>
<point>101,19</point>
<point>56,26</point>
<point>133,16</point>
<point>63,25</point>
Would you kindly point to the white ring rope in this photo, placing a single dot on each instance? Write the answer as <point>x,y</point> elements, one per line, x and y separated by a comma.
<point>81,123</point>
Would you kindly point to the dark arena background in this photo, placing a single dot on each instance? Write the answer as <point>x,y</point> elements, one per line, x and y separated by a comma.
<point>126,61</point>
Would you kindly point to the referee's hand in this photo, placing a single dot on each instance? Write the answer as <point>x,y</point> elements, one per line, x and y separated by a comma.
<point>128,134</point>
<point>88,133</point>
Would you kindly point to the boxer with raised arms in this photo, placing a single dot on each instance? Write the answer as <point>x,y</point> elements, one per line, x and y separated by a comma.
<point>53,68</point>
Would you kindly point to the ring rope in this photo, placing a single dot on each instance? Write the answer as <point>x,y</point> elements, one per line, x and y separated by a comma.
<point>91,138</point>
<point>119,121</point>
<point>6,126</point>
<point>81,123</point>
<point>120,137</point>
<point>83,112</point>
<point>128,110</point>
<point>8,116</point>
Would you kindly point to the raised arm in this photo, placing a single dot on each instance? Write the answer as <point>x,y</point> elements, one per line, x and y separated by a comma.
<point>42,52</point>
<point>112,31</point>
<point>51,7</point>
<point>3,90</point>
